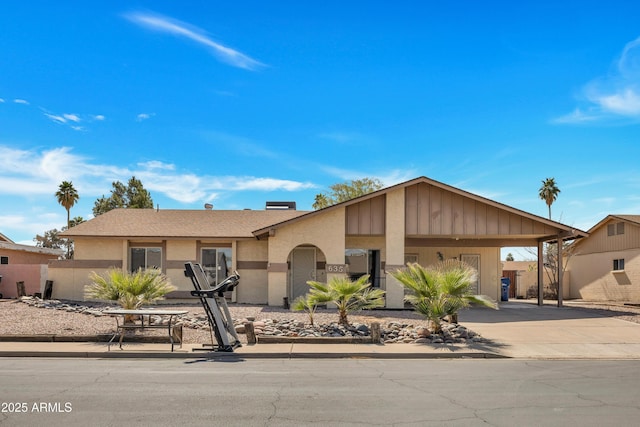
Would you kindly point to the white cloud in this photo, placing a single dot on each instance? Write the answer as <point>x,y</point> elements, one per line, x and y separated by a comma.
<point>182,29</point>
<point>576,116</point>
<point>391,177</point>
<point>144,116</point>
<point>98,117</point>
<point>1,101</point>
<point>71,117</point>
<point>614,96</point>
<point>156,164</point>
<point>21,101</point>
<point>32,173</point>
<point>56,118</point>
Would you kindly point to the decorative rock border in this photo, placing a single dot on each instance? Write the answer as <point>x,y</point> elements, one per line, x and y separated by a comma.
<point>271,331</point>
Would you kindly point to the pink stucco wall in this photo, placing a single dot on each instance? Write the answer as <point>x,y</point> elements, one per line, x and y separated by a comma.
<point>33,276</point>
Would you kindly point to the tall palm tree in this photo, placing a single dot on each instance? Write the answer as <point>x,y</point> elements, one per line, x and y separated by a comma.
<point>549,192</point>
<point>67,197</point>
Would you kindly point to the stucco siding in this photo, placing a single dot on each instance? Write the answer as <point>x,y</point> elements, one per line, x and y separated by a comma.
<point>33,276</point>
<point>592,276</point>
<point>87,249</point>
<point>490,266</point>
<point>181,250</point>
<point>326,232</point>
<point>252,257</point>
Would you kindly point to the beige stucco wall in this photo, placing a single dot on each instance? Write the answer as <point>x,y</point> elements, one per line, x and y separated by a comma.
<point>326,232</point>
<point>592,277</point>
<point>181,250</point>
<point>490,265</point>
<point>253,287</point>
<point>394,248</point>
<point>68,283</point>
<point>91,249</point>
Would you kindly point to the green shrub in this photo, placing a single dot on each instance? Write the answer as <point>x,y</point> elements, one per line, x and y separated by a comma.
<point>130,290</point>
<point>347,295</point>
<point>440,290</point>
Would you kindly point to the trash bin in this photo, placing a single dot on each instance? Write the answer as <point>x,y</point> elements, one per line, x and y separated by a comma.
<point>505,282</point>
<point>48,289</point>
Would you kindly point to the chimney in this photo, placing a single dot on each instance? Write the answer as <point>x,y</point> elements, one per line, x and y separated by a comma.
<point>280,206</point>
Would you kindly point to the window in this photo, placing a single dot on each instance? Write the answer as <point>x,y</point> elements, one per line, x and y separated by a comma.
<point>4,260</point>
<point>364,261</point>
<point>615,229</point>
<point>217,263</point>
<point>146,258</point>
<point>618,264</point>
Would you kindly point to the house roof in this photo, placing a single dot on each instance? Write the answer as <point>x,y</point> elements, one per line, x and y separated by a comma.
<point>32,249</point>
<point>179,223</point>
<point>569,230</point>
<point>628,218</point>
<point>4,238</point>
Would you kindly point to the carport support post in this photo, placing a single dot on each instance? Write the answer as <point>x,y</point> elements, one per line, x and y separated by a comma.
<point>560,272</point>
<point>540,272</point>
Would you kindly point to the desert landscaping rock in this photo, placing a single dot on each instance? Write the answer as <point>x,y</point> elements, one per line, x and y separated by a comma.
<point>392,332</point>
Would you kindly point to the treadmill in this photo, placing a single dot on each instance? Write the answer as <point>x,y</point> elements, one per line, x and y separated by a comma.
<point>215,305</point>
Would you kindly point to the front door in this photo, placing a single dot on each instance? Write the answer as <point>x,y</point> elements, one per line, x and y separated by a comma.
<point>303,269</point>
<point>474,261</point>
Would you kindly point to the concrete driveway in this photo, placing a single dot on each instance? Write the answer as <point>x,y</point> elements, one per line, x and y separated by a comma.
<point>526,330</point>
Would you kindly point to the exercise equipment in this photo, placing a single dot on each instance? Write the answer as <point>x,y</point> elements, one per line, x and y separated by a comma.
<point>215,305</point>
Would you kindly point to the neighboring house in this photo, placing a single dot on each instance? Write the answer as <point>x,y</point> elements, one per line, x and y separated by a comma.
<point>606,266</point>
<point>277,251</point>
<point>23,263</point>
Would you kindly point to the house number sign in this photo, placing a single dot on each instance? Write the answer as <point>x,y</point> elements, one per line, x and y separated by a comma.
<point>336,268</point>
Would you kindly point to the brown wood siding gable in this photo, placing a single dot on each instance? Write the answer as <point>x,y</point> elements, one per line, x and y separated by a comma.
<point>432,211</point>
<point>366,218</point>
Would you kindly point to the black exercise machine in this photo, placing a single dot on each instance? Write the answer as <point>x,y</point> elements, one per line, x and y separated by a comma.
<point>215,305</point>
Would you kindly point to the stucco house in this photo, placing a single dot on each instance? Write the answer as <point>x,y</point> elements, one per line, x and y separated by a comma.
<point>23,263</point>
<point>606,266</point>
<point>277,251</point>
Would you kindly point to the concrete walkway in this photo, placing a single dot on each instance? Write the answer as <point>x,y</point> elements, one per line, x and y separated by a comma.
<point>517,330</point>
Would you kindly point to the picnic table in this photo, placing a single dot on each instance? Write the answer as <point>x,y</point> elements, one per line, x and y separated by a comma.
<point>169,318</point>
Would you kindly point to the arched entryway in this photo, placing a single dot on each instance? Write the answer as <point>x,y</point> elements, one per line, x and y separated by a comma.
<point>306,262</point>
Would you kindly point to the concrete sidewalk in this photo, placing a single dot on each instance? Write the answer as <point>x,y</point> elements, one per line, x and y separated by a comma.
<point>517,330</point>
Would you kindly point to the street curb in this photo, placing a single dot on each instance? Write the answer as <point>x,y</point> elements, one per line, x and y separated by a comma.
<point>239,356</point>
<point>152,339</point>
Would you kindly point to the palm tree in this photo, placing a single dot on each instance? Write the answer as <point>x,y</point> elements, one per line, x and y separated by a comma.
<point>347,295</point>
<point>305,303</point>
<point>549,192</point>
<point>130,290</point>
<point>67,197</point>
<point>441,290</point>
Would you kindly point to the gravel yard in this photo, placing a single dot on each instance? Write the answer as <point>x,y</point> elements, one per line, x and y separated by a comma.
<point>22,318</point>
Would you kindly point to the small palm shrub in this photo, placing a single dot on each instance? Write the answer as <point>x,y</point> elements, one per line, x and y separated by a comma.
<point>130,290</point>
<point>440,290</point>
<point>305,303</point>
<point>348,295</point>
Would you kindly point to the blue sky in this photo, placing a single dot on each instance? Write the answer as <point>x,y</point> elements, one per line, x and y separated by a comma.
<point>237,104</point>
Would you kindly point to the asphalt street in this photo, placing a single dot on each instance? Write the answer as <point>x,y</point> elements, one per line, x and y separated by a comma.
<point>328,392</point>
